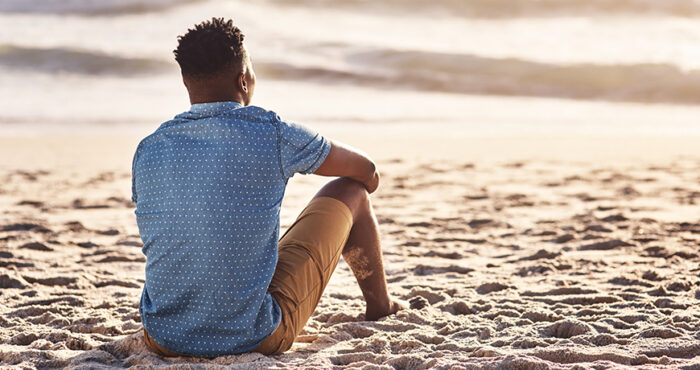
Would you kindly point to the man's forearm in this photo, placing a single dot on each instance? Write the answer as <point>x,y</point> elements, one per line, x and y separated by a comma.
<point>345,161</point>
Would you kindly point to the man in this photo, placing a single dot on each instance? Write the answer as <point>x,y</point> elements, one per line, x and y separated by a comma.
<point>208,187</point>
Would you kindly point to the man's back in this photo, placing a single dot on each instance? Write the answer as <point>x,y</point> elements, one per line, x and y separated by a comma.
<point>208,186</point>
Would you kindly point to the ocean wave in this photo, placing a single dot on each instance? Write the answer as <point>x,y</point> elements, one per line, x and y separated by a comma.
<point>470,74</point>
<point>54,60</point>
<point>518,8</point>
<point>88,7</point>
<point>413,70</point>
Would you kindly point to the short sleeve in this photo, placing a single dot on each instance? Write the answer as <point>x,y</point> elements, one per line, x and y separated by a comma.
<point>301,149</point>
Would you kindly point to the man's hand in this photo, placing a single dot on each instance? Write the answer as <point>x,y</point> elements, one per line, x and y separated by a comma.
<point>345,161</point>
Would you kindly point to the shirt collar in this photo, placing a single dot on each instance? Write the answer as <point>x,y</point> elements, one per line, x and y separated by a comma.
<point>214,107</point>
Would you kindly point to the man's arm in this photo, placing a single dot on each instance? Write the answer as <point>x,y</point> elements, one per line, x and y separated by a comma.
<point>346,161</point>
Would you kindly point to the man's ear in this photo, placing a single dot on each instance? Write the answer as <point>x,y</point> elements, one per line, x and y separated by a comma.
<point>242,83</point>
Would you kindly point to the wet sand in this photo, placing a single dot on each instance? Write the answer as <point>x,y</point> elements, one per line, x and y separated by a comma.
<point>569,254</point>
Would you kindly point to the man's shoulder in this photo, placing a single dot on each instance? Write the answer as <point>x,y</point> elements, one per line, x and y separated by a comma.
<point>252,114</point>
<point>254,110</point>
<point>255,113</point>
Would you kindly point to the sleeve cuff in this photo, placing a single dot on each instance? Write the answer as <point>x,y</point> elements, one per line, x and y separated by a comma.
<point>322,157</point>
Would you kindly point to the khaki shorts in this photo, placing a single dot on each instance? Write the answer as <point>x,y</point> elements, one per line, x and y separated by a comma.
<point>308,253</point>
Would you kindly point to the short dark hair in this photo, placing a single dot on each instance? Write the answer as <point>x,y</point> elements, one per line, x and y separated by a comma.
<point>209,48</point>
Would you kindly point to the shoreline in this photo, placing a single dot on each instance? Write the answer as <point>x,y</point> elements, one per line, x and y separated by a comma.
<point>115,151</point>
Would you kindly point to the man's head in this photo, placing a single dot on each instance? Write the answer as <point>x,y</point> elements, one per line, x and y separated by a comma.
<point>214,63</point>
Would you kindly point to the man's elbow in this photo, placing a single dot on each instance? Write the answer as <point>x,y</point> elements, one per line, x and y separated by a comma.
<point>371,169</point>
<point>371,176</point>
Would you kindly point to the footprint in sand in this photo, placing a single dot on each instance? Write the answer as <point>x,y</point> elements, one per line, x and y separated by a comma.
<point>566,328</point>
<point>418,303</point>
<point>357,330</point>
<point>456,307</point>
<point>476,197</point>
<point>623,280</point>
<point>115,257</point>
<point>540,316</point>
<point>108,232</point>
<point>130,243</point>
<point>597,228</point>
<point>52,281</point>
<point>12,280</point>
<point>541,254</point>
<point>8,238</point>
<point>102,177</point>
<point>628,192</point>
<point>563,239</point>
<point>659,332</point>
<point>670,303</point>
<point>652,275</point>
<point>120,201</point>
<point>115,282</point>
<point>615,218</point>
<point>679,286</point>
<point>656,251</point>
<point>606,245</point>
<point>44,305</point>
<point>27,226</point>
<point>693,228</point>
<point>37,247</point>
<point>459,240</point>
<point>423,270</point>
<point>482,222</point>
<point>519,200</point>
<point>585,197</point>
<point>24,339</point>
<point>419,224</point>
<point>31,203</point>
<point>491,287</point>
<point>432,296</point>
<point>80,203</point>
<point>30,176</point>
<point>87,244</point>
<point>537,269</point>
<point>75,226</point>
<point>452,255</point>
<point>15,263</point>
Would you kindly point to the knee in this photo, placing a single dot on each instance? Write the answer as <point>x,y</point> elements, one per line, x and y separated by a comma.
<point>348,191</point>
<point>351,187</point>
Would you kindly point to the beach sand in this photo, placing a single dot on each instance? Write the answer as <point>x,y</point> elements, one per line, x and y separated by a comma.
<point>520,253</point>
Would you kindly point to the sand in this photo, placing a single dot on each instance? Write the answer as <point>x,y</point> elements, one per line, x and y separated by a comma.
<point>556,256</point>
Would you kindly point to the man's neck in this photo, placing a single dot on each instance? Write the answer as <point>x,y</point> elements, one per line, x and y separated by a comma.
<point>213,98</point>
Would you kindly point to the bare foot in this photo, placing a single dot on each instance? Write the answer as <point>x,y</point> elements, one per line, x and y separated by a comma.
<point>394,307</point>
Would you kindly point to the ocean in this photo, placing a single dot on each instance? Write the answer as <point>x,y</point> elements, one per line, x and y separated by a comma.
<point>494,66</point>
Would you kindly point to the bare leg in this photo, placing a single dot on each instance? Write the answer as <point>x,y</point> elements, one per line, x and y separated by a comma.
<point>363,251</point>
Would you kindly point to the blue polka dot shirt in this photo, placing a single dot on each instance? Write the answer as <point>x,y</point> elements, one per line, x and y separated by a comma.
<point>208,186</point>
